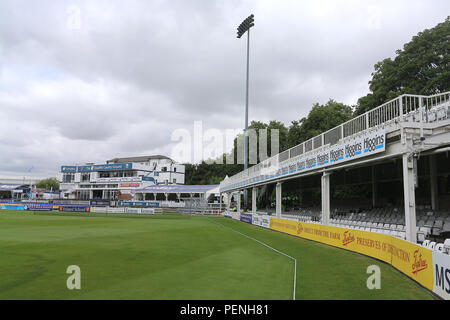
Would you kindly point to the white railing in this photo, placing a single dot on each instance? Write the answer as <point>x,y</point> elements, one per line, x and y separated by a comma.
<point>405,108</point>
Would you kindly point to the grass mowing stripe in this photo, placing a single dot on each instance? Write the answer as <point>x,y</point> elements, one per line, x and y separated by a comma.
<point>266,245</point>
<point>151,258</point>
<point>115,215</point>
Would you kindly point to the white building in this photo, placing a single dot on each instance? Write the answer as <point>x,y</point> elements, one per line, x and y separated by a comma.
<point>118,178</point>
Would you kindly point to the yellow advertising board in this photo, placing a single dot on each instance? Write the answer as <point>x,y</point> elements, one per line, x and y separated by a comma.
<point>414,261</point>
<point>411,259</point>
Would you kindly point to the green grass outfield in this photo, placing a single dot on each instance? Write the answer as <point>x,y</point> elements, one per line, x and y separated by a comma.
<point>174,256</point>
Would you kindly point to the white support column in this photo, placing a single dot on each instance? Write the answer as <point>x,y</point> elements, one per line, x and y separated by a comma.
<point>167,196</point>
<point>154,196</point>
<point>254,195</point>
<point>410,199</point>
<point>422,114</point>
<point>325,198</point>
<point>179,196</point>
<point>278,199</point>
<point>433,183</point>
<point>238,202</point>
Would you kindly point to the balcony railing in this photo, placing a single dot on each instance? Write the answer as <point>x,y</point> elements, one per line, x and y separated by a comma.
<point>405,108</point>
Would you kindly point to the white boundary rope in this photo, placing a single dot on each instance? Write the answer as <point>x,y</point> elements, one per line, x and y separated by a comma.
<point>266,245</point>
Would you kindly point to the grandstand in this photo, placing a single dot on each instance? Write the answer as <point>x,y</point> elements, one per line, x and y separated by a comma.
<point>395,156</point>
<point>118,178</point>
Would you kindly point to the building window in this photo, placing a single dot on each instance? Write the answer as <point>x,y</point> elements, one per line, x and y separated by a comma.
<point>174,180</point>
<point>174,169</point>
<point>68,177</point>
<point>85,177</point>
<point>130,174</point>
<point>164,169</point>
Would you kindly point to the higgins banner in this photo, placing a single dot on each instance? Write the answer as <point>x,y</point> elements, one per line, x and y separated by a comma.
<point>246,217</point>
<point>261,220</point>
<point>368,144</point>
<point>411,259</point>
<point>364,145</point>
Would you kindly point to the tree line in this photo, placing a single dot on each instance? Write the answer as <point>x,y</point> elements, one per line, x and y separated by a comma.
<point>421,67</point>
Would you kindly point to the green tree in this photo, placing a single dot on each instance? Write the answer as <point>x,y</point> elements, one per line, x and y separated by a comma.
<point>422,67</point>
<point>283,133</point>
<point>320,119</point>
<point>209,173</point>
<point>48,184</point>
<point>272,125</point>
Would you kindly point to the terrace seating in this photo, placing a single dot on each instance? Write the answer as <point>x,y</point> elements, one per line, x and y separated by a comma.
<point>437,227</point>
<point>446,226</point>
<point>390,221</point>
<point>446,246</point>
<point>421,236</point>
<point>439,247</point>
<point>432,245</point>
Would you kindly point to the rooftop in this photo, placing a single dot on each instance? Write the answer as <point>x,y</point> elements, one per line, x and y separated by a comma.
<point>138,159</point>
<point>10,187</point>
<point>178,188</point>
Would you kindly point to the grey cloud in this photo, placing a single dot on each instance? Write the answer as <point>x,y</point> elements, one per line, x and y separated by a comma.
<point>133,72</point>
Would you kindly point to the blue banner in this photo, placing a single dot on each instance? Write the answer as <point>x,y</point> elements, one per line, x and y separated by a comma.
<point>39,207</point>
<point>118,166</point>
<point>246,217</point>
<point>12,207</point>
<point>138,203</point>
<point>98,167</point>
<point>100,203</point>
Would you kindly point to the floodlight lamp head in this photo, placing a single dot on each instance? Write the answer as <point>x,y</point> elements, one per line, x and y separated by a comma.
<point>245,25</point>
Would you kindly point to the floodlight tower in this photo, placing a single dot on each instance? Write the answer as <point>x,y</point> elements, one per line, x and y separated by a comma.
<point>243,28</point>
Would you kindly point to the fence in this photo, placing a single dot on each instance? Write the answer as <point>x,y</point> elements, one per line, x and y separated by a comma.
<point>405,108</point>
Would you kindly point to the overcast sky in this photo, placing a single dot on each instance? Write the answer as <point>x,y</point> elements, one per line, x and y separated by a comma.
<point>86,81</point>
